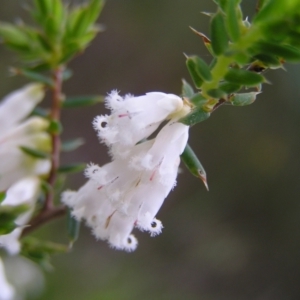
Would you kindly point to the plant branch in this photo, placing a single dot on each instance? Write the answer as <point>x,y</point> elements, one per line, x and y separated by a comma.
<point>55,136</point>
<point>43,217</point>
<point>49,211</point>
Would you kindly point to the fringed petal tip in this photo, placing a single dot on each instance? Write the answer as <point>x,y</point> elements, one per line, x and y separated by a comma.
<point>128,244</point>
<point>154,227</point>
<point>68,197</point>
<point>100,123</point>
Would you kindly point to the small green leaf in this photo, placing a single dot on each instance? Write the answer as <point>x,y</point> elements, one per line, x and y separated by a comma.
<point>43,7</point>
<point>221,4</point>
<point>73,228</point>
<point>34,153</point>
<point>71,145</point>
<point>260,4</point>
<point>2,196</point>
<point>286,52</point>
<point>8,214</point>
<point>243,77</point>
<point>219,38</point>
<point>200,67</point>
<point>198,100</point>
<point>82,18</point>
<point>41,251</point>
<point>7,227</point>
<point>216,93</point>
<point>193,164</point>
<point>46,187</point>
<point>82,101</point>
<point>13,35</point>
<point>72,168</point>
<point>55,127</point>
<point>232,20</point>
<point>268,60</point>
<point>192,68</point>
<point>187,90</point>
<point>229,87</point>
<point>35,76</point>
<point>243,99</point>
<point>195,116</point>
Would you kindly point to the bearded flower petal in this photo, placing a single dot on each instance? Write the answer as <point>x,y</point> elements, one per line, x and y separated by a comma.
<point>129,191</point>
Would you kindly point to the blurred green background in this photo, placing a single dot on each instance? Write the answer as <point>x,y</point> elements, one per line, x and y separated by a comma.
<point>240,240</point>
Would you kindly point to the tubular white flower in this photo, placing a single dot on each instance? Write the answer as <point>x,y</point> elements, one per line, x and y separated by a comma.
<point>134,118</point>
<point>18,104</point>
<point>14,133</point>
<point>26,192</point>
<point>129,191</point>
<point>7,291</point>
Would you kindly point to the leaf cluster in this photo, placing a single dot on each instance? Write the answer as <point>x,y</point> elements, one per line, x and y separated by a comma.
<point>61,32</point>
<point>241,52</point>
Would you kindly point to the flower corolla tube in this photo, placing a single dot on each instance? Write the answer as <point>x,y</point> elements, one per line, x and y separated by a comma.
<point>17,131</point>
<point>129,191</point>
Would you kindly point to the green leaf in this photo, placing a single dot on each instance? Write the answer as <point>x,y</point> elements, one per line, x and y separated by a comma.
<point>41,251</point>
<point>7,227</point>
<point>43,7</point>
<point>13,35</point>
<point>199,66</point>
<point>71,145</point>
<point>8,214</point>
<point>198,100</point>
<point>243,99</point>
<point>216,93</point>
<point>80,101</point>
<point>81,19</point>
<point>260,4</point>
<point>34,153</point>
<point>268,60</point>
<point>2,196</point>
<point>219,38</point>
<point>229,87</point>
<point>192,68</point>
<point>32,75</point>
<point>57,15</point>
<point>232,20</point>
<point>72,168</point>
<point>221,4</point>
<point>55,127</point>
<point>46,186</point>
<point>73,228</point>
<point>243,77</point>
<point>193,164</point>
<point>195,116</point>
<point>187,90</point>
<point>286,52</point>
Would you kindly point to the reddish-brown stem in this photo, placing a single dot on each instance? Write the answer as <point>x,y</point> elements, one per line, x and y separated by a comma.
<point>43,217</point>
<point>55,137</point>
<point>49,211</point>
<point>221,102</point>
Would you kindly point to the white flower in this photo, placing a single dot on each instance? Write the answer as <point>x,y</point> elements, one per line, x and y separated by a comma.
<point>134,118</point>
<point>7,291</point>
<point>26,192</point>
<point>15,132</point>
<point>129,191</point>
